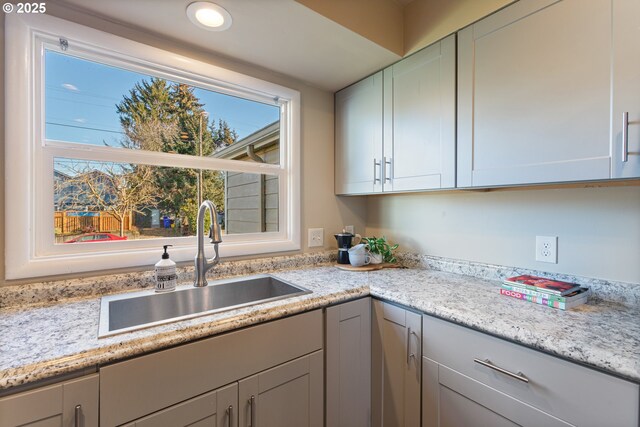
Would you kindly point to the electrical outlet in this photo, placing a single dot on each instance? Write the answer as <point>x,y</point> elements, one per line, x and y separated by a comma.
<point>349,229</point>
<point>547,249</point>
<point>316,237</point>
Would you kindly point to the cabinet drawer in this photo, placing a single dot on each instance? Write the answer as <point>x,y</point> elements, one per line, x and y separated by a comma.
<point>53,405</point>
<point>138,387</point>
<point>573,393</point>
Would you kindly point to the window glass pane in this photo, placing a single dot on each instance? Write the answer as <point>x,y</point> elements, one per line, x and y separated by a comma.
<point>105,201</point>
<point>92,103</point>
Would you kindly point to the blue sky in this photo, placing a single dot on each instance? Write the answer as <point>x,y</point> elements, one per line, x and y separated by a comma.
<point>80,99</point>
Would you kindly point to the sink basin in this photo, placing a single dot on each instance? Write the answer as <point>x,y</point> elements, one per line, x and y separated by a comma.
<point>138,310</point>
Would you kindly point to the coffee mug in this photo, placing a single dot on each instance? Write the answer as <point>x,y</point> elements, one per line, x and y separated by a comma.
<point>358,259</point>
<point>358,249</point>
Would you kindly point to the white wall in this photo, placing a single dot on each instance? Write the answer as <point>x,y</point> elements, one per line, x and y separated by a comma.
<point>598,229</point>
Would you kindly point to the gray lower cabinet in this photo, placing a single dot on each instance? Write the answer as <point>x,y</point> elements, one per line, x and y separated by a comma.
<point>214,409</point>
<point>281,357</point>
<point>289,395</point>
<point>471,378</point>
<point>72,403</point>
<point>348,364</point>
<point>395,366</point>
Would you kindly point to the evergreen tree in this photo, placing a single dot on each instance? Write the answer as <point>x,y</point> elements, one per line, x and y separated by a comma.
<point>169,117</point>
<point>223,135</point>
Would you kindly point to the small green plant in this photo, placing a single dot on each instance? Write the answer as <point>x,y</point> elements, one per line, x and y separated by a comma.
<point>381,246</point>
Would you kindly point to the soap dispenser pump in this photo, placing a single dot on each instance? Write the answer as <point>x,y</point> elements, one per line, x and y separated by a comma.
<point>166,276</point>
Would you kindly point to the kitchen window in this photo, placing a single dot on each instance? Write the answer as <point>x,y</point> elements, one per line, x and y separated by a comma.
<point>111,146</point>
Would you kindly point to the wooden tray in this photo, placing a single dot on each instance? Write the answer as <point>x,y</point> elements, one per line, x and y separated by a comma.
<point>369,267</point>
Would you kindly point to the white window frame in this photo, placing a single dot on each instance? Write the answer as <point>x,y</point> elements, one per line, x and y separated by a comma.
<point>29,246</point>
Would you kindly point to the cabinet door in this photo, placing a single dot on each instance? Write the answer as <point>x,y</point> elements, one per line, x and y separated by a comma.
<point>218,408</point>
<point>395,362</point>
<point>289,395</point>
<point>358,136</point>
<point>534,94</point>
<point>72,403</point>
<point>419,120</point>
<point>626,89</point>
<point>451,399</point>
<point>348,364</point>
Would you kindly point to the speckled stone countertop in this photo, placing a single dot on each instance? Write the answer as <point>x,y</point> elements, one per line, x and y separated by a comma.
<point>40,340</point>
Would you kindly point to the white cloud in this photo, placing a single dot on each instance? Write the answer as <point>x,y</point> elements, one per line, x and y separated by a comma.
<point>80,120</point>
<point>69,86</point>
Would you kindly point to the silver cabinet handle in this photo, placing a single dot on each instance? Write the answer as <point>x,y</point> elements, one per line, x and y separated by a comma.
<point>376,165</point>
<point>409,355</point>
<point>230,416</point>
<point>519,376</point>
<point>78,416</point>
<point>625,136</point>
<point>252,403</point>
<point>388,177</point>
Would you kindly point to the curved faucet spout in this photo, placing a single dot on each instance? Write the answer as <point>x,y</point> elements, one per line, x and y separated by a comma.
<point>203,264</point>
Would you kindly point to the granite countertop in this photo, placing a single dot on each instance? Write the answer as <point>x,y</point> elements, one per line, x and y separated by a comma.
<point>46,340</point>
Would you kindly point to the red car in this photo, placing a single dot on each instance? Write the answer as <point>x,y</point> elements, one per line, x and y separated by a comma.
<point>96,237</point>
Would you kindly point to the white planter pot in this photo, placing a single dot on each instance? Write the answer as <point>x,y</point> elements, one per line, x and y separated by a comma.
<point>376,258</point>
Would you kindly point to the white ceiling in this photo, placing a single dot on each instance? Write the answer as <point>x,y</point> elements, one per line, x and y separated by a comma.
<point>280,35</point>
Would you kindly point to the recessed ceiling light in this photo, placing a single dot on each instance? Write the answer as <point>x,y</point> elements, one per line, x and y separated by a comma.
<point>209,16</point>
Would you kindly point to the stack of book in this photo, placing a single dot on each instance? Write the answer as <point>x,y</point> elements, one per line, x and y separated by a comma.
<point>548,292</point>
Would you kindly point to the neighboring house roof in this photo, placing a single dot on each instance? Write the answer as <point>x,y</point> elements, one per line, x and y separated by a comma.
<point>262,138</point>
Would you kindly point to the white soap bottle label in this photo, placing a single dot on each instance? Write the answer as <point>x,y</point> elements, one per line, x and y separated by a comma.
<point>166,275</point>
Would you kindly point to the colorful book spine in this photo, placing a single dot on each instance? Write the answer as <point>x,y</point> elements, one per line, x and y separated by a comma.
<point>543,295</point>
<point>535,299</point>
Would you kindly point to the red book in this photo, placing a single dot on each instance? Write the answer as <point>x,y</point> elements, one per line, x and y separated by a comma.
<point>541,284</point>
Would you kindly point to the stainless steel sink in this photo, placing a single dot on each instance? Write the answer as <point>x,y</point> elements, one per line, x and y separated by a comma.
<point>129,312</point>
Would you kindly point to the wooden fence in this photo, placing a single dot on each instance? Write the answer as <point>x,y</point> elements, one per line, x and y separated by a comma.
<point>70,222</point>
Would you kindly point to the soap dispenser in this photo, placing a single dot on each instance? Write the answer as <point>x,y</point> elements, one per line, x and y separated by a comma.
<point>166,276</point>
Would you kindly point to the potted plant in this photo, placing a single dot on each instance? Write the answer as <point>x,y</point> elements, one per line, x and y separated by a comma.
<point>380,249</point>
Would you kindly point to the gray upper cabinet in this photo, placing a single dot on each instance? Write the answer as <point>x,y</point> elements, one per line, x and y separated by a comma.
<point>535,93</point>
<point>395,130</point>
<point>358,137</point>
<point>70,403</point>
<point>348,364</point>
<point>419,120</point>
<point>626,89</point>
<point>289,395</point>
<point>395,366</point>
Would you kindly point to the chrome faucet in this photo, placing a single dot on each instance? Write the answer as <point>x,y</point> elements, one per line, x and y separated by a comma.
<point>202,263</point>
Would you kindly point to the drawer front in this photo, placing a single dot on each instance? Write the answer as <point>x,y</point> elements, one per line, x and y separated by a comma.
<point>573,393</point>
<point>137,387</point>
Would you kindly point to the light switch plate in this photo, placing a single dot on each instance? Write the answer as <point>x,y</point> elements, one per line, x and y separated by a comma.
<point>316,237</point>
<point>349,229</point>
<point>547,249</point>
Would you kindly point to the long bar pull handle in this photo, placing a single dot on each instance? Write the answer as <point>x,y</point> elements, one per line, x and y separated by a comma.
<point>78,416</point>
<point>252,403</point>
<point>519,376</point>
<point>230,416</point>
<point>409,355</point>
<point>375,175</point>
<point>625,136</point>
<point>389,176</point>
